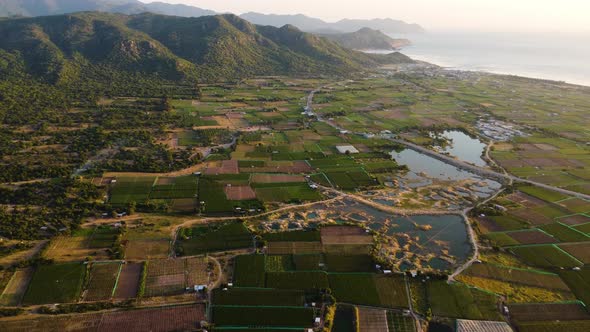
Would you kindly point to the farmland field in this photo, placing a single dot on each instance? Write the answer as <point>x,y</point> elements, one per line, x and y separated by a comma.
<point>244,316</point>
<point>299,247</point>
<point>517,292</point>
<point>400,323</point>
<point>460,301</point>
<point>305,236</point>
<point>561,326</point>
<point>544,194</point>
<point>61,283</point>
<point>128,284</point>
<point>307,262</point>
<point>131,189</point>
<point>579,283</point>
<point>215,237</point>
<point>373,320</point>
<point>350,263</point>
<point>548,312</point>
<point>258,296</point>
<point>358,288</point>
<point>519,276</point>
<point>75,248</point>
<point>249,271</point>
<point>173,318</point>
<point>580,251</point>
<point>565,233</point>
<point>392,291</point>
<point>345,235</point>
<point>279,263</point>
<point>16,287</point>
<point>464,325</point>
<point>533,236</point>
<point>307,280</point>
<point>101,283</point>
<point>287,194</point>
<point>345,318</point>
<point>546,256</point>
<point>172,276</point>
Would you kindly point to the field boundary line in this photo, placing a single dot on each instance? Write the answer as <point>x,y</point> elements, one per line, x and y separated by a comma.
<point>117,280</point>
<point>573,229</point>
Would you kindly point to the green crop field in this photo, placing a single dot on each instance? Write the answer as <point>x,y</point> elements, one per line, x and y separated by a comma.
<point>548,256</point>
<point>544,194</point>
<point>565,233</point>
<point>214,237</point>
<point>501,239</point>
<point>103,237</point>
<point>350,263</point>
<point>307,262</point>
<point>291,236</point>
<point>102,280</point>
<point>60,283</point>
<point>306,280</point>
<point>175,188</point>
<point>258,296</point>
<point>288,194</point>
<point>279,263</point>
<point>355,288</point>
<point>131,189</point>
<point>249,271</point>
<point>211,192</point>
<point>244,316</point>
<point>579,283</point>
<point>392,291</point>
<point>460,301</point>
<point>518,276</point>
<point>344,318</point>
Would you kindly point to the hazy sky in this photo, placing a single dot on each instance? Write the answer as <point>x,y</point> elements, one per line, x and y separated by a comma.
<point>490,15</point>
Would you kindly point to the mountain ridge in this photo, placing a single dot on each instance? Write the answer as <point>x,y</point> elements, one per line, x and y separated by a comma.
<point>68,48</point>
<point>310,24</point>
<point>32,8</point>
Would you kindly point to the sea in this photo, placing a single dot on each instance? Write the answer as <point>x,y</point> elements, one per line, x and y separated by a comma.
<point>553,56</point>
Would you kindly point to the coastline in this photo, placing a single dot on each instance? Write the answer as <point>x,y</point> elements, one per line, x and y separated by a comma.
<point>433,60</point>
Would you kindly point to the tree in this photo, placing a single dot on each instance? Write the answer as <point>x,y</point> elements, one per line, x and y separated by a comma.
<point>131,207</point>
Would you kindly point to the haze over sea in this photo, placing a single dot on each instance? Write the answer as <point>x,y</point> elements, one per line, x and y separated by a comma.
<point>554,56</point>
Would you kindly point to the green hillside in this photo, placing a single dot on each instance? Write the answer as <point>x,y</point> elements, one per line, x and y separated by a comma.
<point>90,46</point>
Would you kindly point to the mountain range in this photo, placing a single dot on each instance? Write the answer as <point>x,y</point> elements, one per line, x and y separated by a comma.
<point>367,39</point>
<point>305,23</point>
<point>310,24</point>
<point>80,47</point>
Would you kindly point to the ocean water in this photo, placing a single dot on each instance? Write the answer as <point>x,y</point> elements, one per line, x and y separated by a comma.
<point>553,56</point>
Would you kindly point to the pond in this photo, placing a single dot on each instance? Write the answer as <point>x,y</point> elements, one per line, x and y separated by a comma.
<point>464,147</point>
<point>415,241</point>
<point>422,166</point>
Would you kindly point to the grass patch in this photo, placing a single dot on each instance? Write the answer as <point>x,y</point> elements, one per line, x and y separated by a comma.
<point>60,283</point>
